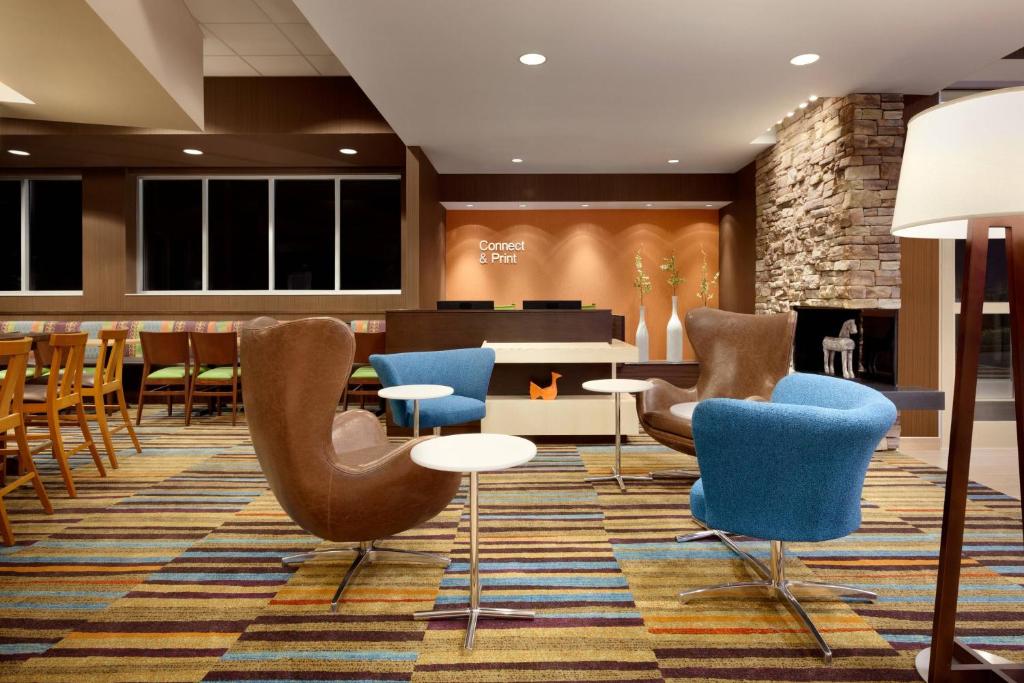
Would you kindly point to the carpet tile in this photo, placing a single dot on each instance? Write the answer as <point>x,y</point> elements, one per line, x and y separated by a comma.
<point>169,570</point>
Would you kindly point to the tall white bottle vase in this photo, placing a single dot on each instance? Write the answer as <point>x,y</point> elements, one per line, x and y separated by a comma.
<point>674,335</point>
<point>643,341</point>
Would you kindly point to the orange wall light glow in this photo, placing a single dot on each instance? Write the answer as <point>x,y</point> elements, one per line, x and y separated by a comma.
<point>586,255</point>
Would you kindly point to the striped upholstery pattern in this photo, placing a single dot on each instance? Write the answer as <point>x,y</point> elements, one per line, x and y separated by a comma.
<point>174,567</point>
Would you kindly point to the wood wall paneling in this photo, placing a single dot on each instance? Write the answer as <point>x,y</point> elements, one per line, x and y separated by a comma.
<point>918,342</point>
<point>737,251</point>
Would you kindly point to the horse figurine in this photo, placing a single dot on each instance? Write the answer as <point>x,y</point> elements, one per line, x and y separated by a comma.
<point>842,344</point>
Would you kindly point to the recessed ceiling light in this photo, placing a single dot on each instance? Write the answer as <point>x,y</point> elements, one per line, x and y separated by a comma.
<point>18,152</point>
<point>348,151</point>
<point>522,206</point>
<point>648,204</point>
<point>192,151</point>
<point>517,160</point>
<point>805,59</point>
<point>709,205</point>
<point>813,98</point>
<point>803,105</point>
<point>673,161</point>
<point>532,59</point>
<point>584,205</point>
<point>469,206</point>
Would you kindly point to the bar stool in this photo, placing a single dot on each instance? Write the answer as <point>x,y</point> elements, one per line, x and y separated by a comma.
<point>169,353</point>
<point>62,391</point>
<point>217,351</point>
<point>106,379</point>
<point>11,390</point>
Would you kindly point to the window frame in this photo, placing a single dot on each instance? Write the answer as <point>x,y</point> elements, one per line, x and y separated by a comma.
<point>272,290</point>
<point>25,246</point>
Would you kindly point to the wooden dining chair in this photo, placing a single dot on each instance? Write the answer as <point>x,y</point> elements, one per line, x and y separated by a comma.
<point>11,390</point>
<point>217,370</point>
<point>363,381</point>
<point>43,404</point>
<point>168,353</point>
<point>106,380</point>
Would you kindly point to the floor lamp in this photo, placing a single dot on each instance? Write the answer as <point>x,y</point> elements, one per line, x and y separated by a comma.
<point>963,178</point>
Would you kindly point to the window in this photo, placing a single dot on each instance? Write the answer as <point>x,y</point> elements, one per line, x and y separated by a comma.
<point>41,228</point>
<point>259,234</point>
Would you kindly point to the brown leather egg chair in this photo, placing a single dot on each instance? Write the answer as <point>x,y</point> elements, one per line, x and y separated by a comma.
<point>335,474</point>
<point>741,356</point>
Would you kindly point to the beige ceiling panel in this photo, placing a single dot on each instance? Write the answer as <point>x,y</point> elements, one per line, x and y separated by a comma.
<point>306,39</point>
<point>254,39</point>
<point>328,65</point>
<point>282,66</point>
<point>226,11</point>
<point>222,65</point>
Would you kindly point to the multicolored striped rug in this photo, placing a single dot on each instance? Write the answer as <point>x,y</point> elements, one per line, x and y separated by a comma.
<point>169,570</point>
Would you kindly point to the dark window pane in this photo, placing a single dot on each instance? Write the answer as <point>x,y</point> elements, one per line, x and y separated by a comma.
<point>995,381</point>
<point>55,235</point>
<point>10,235</point>
<point>371,234</point>
<point>304,234</point>
<point>238,215</point>
<point>996,288</point>
<point>172,234</point>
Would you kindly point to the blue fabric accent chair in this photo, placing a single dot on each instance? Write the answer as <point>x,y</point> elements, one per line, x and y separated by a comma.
<point>467,371</point>
<point>791,469</point>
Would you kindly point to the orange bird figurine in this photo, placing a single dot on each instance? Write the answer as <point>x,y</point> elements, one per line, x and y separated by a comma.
<point>547,393</point>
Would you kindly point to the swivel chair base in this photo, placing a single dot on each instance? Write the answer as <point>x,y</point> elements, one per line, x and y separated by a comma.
<point>675,474</point>
<point>366,552</point>
<point>774,584</point>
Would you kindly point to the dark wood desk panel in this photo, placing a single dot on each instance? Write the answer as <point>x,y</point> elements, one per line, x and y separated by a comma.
<point>423,330</point>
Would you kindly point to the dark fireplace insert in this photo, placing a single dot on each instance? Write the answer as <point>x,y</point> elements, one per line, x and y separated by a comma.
<point>874,352</point>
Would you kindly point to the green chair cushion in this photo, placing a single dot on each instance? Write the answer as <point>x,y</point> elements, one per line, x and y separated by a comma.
<point>170,372</point>
<point>365,372</point>
<point>221,373</point>
<point>29,372</point>
<point>505,307</point>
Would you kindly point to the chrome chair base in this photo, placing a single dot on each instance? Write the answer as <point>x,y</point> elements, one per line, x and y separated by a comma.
<point>366,553</point>
<point>774,584</point>
<point>473,614</point>
<point>620,479</point>
<point>675,474</point>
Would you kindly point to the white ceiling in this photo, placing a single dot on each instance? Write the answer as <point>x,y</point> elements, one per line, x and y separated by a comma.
<point>629,85</point>
<point>260,38</point>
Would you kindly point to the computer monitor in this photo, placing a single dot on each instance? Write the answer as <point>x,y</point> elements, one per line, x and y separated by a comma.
<point>564,304</point>
<point>465,305</point>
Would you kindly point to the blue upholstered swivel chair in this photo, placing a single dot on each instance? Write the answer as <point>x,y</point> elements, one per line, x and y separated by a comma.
<point>787,470</point>
<point>467,371</point>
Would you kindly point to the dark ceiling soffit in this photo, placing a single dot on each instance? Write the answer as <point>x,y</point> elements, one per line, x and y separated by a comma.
<point>595,187</point>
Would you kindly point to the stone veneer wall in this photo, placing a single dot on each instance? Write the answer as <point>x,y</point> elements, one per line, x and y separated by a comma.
<point>824,199</point>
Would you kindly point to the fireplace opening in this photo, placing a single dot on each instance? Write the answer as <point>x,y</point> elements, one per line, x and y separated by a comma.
<point>873,352</point>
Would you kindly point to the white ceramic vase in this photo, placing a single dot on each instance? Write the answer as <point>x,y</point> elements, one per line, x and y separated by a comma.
<point>674,335</point>
<point>643,342</point>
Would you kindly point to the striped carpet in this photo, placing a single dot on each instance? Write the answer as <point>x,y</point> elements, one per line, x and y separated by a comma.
<point>168,570</point>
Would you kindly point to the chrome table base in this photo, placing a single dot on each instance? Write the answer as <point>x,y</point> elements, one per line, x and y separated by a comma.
<point>474,612</point>
<point>365,553</point>
<point>616,474</point>
<point>774,584</point>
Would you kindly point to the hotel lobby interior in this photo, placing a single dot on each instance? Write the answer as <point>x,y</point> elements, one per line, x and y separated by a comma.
<point>585,340</point>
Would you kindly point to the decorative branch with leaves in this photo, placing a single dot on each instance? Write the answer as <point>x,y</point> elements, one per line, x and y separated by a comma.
<point>669,266</point>
<point>641,280</point>
<point>704,289</point>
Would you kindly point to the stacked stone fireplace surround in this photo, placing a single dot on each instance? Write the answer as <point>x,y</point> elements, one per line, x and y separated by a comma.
<point>825,194</point>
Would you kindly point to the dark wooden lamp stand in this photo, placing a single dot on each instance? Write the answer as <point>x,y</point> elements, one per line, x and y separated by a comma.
<point>949,659</point>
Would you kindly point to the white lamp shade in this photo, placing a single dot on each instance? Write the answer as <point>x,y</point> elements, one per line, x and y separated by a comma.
<point>963,159</point>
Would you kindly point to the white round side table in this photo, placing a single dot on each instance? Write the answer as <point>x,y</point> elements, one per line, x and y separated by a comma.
<point>416,393</point>
<point>618,387</point>
<point>474,453</point>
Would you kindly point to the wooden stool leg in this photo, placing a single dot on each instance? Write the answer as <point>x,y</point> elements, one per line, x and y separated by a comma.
<point>142,399</point>
<point>101,420</point>
<point>87,435</point>
<point>234,403</point>
<point>127,419</point>
<point>28,466</point>
<point>189,394</point>
<point>57,442</point>
<point>5,525</point>
<point>168,405</point>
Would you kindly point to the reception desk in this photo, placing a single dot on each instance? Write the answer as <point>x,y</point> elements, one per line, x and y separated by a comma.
<point>529,345</point>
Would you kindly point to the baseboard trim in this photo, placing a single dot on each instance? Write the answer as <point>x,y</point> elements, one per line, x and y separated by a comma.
<point>909,444</point>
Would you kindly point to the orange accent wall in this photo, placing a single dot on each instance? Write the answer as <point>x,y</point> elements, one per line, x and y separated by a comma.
<point>586,255</point>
